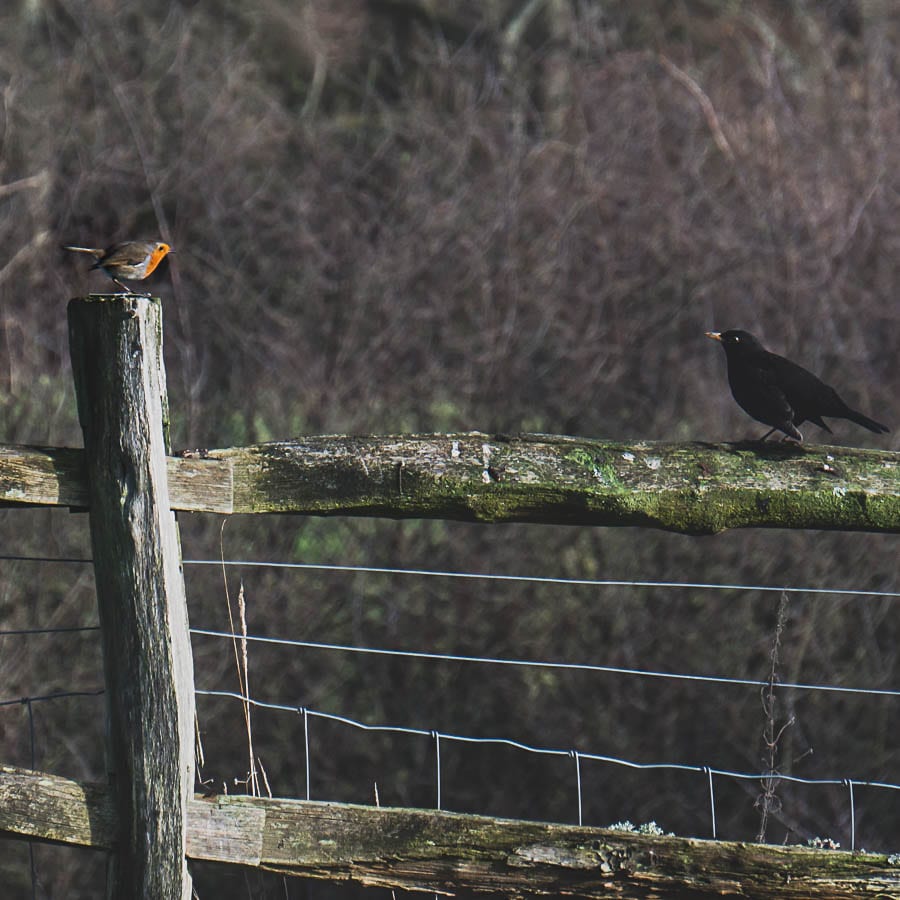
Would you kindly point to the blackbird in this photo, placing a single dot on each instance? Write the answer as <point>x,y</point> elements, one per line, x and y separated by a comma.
<point>778,392</point>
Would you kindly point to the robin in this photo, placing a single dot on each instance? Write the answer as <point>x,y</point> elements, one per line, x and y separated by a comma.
<point>778,392</point>
<point>131,260</point>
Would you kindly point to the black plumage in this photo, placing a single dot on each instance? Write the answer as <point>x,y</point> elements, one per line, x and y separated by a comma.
<point>778,392</point>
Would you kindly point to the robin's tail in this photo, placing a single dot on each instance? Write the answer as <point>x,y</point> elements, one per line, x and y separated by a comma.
<point>865,421</point>
<point>91,250</point>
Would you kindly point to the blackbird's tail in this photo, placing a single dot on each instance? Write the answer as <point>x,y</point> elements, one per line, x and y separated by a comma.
<point>865,421</point>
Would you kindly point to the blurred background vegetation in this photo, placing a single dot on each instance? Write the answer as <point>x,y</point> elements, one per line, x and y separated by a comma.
<point>405,215</point>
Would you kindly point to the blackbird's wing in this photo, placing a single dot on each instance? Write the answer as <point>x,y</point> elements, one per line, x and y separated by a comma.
<point>809,396</point>
<point>755,386</point>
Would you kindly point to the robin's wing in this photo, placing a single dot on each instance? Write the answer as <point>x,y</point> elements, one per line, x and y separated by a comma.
<point>130,253</point>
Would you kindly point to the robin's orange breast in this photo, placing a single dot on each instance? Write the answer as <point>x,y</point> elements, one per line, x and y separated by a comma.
<point>133,260</point>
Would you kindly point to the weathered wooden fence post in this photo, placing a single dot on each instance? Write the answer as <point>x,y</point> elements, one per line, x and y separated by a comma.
<point>116,348</point>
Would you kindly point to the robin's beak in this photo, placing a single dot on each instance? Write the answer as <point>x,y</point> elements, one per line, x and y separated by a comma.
<point>715,335</point>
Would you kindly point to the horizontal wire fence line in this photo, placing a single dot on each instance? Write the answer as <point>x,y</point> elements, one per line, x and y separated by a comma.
<point>57,695</point>
<point>65,630</point>
<point>529,748</point>
<point>576,755</point>
<point>540,664</point>
<point>576,582</point>
<point>45,559</point>
<point>536,579</point>
<point>489,576</point>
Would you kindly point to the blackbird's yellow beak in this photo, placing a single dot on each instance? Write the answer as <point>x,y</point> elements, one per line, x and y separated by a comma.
<point>715,335</point>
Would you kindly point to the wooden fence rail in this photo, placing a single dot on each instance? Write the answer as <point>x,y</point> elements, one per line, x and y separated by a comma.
<point>427,850</point>
<point>688,488</point>
<point>146,816</point>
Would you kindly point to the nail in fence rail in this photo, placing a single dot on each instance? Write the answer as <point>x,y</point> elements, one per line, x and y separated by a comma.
<point>116,348</point>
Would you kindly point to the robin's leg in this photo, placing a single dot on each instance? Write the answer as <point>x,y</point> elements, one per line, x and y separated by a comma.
<point>131,290</point>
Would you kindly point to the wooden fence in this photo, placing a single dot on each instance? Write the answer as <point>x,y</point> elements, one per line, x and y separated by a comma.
<point>146,813</point>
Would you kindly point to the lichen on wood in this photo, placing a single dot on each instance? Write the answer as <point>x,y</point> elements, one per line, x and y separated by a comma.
<point>689,488</point>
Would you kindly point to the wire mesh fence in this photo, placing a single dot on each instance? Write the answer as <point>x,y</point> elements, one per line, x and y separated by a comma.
<point>497,693</point>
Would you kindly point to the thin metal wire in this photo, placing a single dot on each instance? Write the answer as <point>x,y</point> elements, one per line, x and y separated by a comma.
<point>306,750</point>
<point>878,784</point>
<point>486,576</point>
<point>533,579</point>
<point>582,667</point>
<point>74,628</point>
<point>577,757</point>
<point>30,706</point>
<point>778,776</point>
<point>44,559</point>
<point>712,801</point>
<point>281,707</point>
<point>437,765</point>
<point>547,751</point>
<point>59,695</point>
<point>852,816</point>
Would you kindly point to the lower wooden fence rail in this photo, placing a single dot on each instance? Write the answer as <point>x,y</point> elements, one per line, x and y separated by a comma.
<point>146,815</point>
<point>420,849</point>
